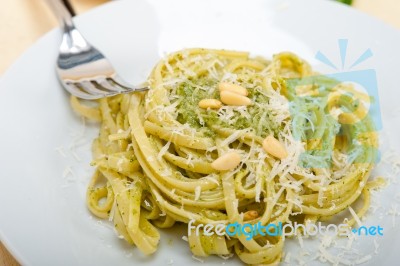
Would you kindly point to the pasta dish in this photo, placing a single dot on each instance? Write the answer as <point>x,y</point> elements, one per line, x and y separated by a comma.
<point>223,137</point>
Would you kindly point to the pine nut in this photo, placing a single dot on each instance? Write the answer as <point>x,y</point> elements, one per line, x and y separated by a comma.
<point>250,215</point>
<point>226,162</point>
<point>231,98</point>
<point>274,147</point>
<point>225,86</point>
<point>210,103</point>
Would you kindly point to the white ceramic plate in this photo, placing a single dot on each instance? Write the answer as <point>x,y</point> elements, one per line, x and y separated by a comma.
<point>43,218</point>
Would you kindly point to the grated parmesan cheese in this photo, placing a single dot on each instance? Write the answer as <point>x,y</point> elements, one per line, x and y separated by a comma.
<point>61,151</point>
<point>355,216</point>
<point>197,258</point>
<point>197,193</point>
<point>376,245</point>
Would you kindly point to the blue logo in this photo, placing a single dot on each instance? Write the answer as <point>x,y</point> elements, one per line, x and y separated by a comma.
<point>368,231</point>
<point>340,106</point>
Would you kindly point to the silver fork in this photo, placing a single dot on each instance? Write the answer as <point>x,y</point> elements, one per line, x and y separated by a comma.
<point>83,70</point>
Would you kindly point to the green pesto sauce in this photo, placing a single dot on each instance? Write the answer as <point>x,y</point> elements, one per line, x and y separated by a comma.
<point>203,120</point>
<point>190,98</point>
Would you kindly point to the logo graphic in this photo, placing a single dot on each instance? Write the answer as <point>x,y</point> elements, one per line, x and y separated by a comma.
<point>279,229</point>
<point>343,107</point>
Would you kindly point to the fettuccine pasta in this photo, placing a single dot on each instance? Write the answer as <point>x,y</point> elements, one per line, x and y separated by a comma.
<point>222,137</point>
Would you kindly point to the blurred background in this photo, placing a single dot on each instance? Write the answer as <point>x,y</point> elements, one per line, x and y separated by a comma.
<point>22,22</point>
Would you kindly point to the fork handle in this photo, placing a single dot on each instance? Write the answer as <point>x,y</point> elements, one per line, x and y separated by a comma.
<point>64,12</point>
<point>69,7</point>
<point>71,37</point>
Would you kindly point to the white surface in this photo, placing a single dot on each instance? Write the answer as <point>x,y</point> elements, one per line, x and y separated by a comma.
<point>43,218</point>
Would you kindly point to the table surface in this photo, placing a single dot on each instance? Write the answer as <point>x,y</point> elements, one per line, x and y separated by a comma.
<point>22,22</point>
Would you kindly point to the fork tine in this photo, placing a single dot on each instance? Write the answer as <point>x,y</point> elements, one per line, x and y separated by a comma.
<point>91,89</point>
<point>105,84</point>
<point>120,82</point>
<point>78,92</point>
<point>118,88</point>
